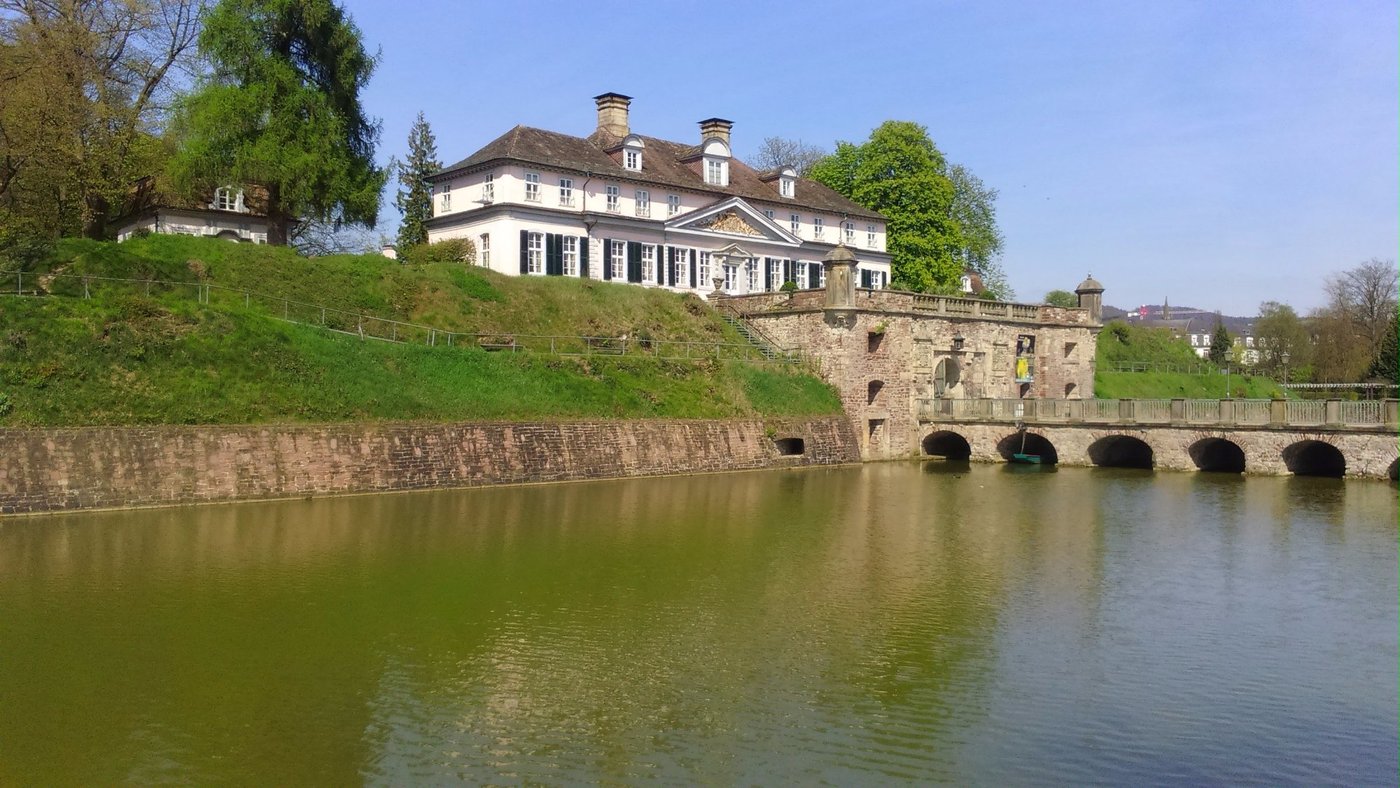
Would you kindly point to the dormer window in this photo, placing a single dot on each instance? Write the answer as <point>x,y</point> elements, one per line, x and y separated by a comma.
<point>787,182</point>
<point>716,155</point>
<point>632,153</point>
<point>227,198</point>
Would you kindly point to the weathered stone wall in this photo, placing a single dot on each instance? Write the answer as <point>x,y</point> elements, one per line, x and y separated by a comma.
<point>1368,453</point>
<point>46,470</point>
<point>901,349</point>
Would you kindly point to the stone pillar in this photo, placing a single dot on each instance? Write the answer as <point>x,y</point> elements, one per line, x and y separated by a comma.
<point>1178,414</point>
<point>840,265</point>
<point>1278,411</point>
<point>1390,412</point>
<point>1333,411</point>
<point>1227,411</point>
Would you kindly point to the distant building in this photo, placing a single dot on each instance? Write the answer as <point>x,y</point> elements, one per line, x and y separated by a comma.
<point>621,206</point>
<point>229,212</point>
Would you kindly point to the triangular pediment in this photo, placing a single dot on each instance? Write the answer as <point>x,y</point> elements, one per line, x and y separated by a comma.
<point>734,218</point>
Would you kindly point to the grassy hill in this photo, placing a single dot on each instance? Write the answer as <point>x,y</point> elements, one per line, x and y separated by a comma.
<point>124,357</point>
<point>1120,343</point>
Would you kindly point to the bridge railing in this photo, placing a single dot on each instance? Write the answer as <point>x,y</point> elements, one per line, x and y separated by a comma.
<point>1193,412</point>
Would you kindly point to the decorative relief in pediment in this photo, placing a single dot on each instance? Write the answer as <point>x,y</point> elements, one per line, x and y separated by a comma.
<point>729,222</point>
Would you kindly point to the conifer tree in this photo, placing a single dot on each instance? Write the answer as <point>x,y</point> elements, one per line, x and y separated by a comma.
<point>281,110</point>
<point>1220,342</point>
<point>1387,363</point>
<point>415,200</point>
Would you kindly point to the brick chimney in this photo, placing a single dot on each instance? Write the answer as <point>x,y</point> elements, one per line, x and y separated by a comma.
<point>612,114</point>
<point>716,127</point>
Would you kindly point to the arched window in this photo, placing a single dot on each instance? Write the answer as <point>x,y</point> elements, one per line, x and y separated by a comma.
<point>787,182</point>
<point>632,148</point>
<point>716,162</point>
<point>227,198</point>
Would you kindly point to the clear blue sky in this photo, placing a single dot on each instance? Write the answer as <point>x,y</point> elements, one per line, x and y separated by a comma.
<point>1216,153</point>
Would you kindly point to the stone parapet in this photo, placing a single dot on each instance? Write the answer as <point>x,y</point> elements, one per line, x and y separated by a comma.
<point>896,302</point>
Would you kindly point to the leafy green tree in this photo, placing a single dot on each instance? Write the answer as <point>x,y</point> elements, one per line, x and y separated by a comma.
<point>1220,342</point>
<point>83,89</point>
<point>974,210</point>
<point>1281,339</point>
<point>415,197</point>
<point>1063,298</point>
<point>281,110</point>
<point>900,173</point>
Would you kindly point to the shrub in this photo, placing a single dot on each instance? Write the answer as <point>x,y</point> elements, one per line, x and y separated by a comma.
<point>23,245</point>
<point>452,250</point>
<point>789,286</point>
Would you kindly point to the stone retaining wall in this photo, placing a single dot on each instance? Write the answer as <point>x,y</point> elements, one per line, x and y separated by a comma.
<point>56,469</point>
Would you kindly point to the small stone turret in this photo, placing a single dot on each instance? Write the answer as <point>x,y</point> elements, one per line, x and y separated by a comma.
<point>840,265</point>
<point>1090,294</point>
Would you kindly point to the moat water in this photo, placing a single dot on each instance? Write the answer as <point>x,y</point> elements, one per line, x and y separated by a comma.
<point>995,625</point>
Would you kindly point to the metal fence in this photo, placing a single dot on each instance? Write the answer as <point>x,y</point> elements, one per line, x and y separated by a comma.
<point>364,326</point>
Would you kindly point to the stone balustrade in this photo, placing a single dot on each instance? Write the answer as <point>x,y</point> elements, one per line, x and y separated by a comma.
<point>923,304</point>
<point>1370,415</point>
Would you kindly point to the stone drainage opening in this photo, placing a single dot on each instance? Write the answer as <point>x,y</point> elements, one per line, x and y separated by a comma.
<point>1315,458</point>
<point>1028,443</point>
<point>1217,455</point>
<point>948,445</point>
<point>1121,451</point>
<point>1394,472</point>
<point>790,447</point>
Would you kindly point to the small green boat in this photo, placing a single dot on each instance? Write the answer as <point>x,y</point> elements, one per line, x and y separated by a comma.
<point>1021,456</point>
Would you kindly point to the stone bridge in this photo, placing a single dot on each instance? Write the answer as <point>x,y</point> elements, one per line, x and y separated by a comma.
<point>1308,437</point>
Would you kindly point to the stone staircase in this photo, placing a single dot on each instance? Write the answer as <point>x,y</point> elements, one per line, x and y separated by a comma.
<point>755,337</point>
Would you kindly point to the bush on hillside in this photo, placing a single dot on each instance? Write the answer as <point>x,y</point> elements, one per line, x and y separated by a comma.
<point>23,245</point>
<point>452,250</point>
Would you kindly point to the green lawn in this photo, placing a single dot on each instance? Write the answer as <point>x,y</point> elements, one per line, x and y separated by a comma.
<point>1123,343</point>
<point>125,358</point>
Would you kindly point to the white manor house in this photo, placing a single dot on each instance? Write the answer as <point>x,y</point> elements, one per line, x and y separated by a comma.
<point>624,207</point>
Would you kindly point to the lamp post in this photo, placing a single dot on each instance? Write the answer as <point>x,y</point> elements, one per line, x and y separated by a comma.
<point>1284,356</point>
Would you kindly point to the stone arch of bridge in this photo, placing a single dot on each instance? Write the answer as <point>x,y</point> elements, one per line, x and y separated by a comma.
<point>1314,458</point>
<point>1121,451</point>
<point>947,444</point>
<point>1219,455</point>
<point>1028,443</point>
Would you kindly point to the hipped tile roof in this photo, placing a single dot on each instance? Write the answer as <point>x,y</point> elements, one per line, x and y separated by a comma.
<point>664,163</point>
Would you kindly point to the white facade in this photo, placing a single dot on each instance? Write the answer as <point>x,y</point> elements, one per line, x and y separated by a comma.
<point>527,218</point>
<point>226,217</point>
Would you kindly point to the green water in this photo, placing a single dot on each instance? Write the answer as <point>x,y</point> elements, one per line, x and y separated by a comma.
<point>899,622</point>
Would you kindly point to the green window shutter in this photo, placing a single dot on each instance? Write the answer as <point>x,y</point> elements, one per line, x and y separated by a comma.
<point>524,251</point>
<point>670,265</point>
<point>694,266</point>
<point>814,275</point>
<point>607,259</point>
<point>583,257</point>
<point>556,256</point>
<point>787,271</point>
<point>634,261</point>
<point>767,273</point>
